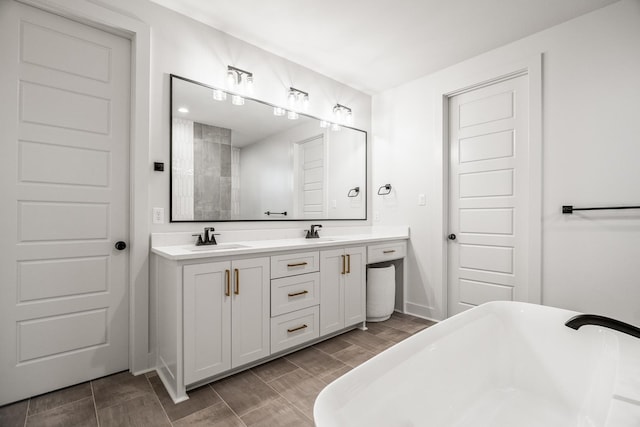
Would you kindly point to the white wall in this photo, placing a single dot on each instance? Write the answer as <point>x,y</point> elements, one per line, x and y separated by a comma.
<point>591,147</point>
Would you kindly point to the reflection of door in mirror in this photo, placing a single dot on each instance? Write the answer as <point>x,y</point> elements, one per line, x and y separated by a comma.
<point>202,171</point>
<point>310,179</point>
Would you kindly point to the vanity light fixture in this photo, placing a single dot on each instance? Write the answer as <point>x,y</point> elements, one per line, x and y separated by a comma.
<point>237,78</point>
<point>279,111</point>
<point>298,99</point>
<point>219,95</point>
<point>342,113</point>
<point>292,115</point>
<point>184,110</point>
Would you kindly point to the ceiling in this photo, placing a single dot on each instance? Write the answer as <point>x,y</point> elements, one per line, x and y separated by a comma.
<point>373,45</point>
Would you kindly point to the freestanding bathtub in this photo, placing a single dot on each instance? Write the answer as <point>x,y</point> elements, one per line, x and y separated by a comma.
<point>502,364</point>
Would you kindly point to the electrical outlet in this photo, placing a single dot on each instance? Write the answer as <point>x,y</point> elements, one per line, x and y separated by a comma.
<point>422,200</point>
<point>158,215</point>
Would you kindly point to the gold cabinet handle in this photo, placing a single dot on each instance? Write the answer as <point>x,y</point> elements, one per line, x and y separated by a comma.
<point>343,264</point>
<point>295,294</point>
<point>389,252</point>
<point>297,264</point>
<point>297,329</point>
<point>237,274</point>
<point>227,276</point>
<point>348,264</point>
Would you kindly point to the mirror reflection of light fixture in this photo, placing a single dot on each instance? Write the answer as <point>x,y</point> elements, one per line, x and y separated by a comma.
<point>278,111</point>
<point>335,127</point>
<point>238,79</point>
<point>237,100</point>
<point>292,115</point>
<point>298,99</point>
<point>219,95</point>
<point>183,110</point>
<point>324,124</point>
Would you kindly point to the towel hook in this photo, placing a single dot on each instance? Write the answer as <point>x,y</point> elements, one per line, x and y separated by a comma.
<point>386,187</point>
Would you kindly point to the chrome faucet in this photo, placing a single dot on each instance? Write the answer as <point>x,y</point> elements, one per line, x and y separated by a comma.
<point>209,237</point>
<point>313,232</point>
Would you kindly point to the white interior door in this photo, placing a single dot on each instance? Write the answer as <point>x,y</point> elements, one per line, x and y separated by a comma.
<point>64,304</point>
<point>488,195</point>
<point>311,177</point>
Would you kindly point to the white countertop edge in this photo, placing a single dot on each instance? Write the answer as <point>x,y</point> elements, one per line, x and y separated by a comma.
<point>180,252</point>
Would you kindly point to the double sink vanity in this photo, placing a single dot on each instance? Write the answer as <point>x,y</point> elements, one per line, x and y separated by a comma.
<point>246,300</point>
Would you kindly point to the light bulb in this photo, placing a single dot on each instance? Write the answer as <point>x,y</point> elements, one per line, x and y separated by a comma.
<point>335,127</point>
<point>237,100</point>
<point>248,84</point>
<point>349,117</point>
<point>337,113</point>
<point>278,111</point>
<point>291,99</point>
<point>292,115</point>
<point>324,124</point>
<point>219,95</point>
<point>231,78</point>
<point>305,102</point>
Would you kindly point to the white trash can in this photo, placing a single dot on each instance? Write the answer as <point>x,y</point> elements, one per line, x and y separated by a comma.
<point>381,292</point>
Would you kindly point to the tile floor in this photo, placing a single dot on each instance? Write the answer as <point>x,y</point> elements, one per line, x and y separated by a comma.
<point>278,393</point>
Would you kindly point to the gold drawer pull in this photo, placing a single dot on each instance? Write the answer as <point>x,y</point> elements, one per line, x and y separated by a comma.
<point>296,329</point>
<point>237,289</point>
<point>343,265</point>
<point>295,294</point>
<point>298,264</point>
<point>227,290</point>
<point>389,252</point>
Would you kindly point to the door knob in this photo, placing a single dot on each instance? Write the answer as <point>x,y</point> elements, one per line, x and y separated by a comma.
<point>120,245</point>
<point>451,236</point>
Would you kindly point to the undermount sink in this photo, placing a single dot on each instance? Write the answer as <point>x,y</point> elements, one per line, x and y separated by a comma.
<point>218,247</point>
<point>319,239</point>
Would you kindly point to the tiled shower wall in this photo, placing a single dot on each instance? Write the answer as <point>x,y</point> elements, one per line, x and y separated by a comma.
<point>212,172</point>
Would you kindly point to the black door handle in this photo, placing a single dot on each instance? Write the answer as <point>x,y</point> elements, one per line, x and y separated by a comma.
<point>451,236</point>
<point>121,245</point>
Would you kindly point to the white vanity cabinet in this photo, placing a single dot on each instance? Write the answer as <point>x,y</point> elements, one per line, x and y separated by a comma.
<point>226,316</point>
<point>342,288</point>
<point>221,310</point>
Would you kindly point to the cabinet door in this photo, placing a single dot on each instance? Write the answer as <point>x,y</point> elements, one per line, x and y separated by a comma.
<point>251,311</point>
<point>207,320</point>
<point>331,295</point>
<point>354,286</point>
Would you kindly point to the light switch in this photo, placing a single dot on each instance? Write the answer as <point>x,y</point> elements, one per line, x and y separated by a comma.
<point>422,200</point>
<point>158,215</point>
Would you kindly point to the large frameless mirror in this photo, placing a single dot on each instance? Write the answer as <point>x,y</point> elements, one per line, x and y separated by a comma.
<point>245,163</point>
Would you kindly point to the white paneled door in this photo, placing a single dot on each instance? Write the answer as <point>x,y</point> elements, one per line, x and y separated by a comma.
<point>311,177</point>
<point>488,195</point>
<point>64,144</point>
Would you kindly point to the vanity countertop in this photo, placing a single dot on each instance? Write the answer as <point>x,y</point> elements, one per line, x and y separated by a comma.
<point>180,246</point>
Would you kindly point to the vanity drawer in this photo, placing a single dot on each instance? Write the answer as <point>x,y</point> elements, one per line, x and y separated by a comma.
<point>294,293</point>
<point>291,329</point>
<point>292,264</point>
<point>386,252</point>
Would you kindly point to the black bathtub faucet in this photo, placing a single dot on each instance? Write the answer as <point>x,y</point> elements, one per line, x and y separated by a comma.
<point>593,319</point>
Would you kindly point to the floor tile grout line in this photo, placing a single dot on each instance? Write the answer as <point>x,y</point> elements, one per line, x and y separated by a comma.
<point>158,400</point>
<point>26,413</point>
<point>95,408</point>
